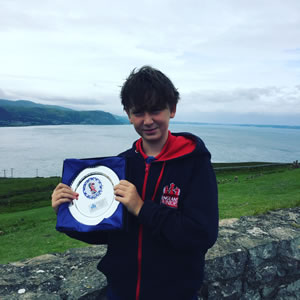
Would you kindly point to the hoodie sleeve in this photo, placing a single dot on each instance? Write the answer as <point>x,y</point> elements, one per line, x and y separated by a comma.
<point>93,237</point>
<point>196,223</point>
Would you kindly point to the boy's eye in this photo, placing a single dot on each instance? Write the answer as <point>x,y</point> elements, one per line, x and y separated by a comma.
<point>138,113</point>
<point>155,111</point>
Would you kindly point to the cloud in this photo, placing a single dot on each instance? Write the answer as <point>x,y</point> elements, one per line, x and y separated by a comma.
<point>268,100</point>
<point>224,56</point>
<point>3,95</point>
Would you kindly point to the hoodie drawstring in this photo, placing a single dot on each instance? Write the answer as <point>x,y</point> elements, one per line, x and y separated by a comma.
<point>158,180</point>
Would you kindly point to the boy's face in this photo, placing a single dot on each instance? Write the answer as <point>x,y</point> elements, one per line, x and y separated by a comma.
<point>152,125</point>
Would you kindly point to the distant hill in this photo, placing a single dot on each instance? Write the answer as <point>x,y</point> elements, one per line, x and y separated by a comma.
<point>28,113</point>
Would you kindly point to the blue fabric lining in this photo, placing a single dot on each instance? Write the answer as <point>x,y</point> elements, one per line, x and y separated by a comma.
<point>71,168</point>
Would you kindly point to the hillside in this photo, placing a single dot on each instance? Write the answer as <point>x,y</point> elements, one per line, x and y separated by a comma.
<point>27,113</point>
<point>27,218</point>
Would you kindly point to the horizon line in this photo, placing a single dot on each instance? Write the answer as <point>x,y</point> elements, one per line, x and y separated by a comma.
<point>237,124</point>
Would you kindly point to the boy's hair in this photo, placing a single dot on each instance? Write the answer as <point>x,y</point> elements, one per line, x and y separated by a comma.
<point>148,89</point>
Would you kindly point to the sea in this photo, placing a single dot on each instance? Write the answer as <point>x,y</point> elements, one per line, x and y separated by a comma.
<point>39,151</point>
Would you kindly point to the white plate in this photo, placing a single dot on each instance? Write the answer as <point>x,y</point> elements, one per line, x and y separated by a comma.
<point>96,200</point>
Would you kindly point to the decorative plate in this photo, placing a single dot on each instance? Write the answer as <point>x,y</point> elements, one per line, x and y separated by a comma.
<point>96,200</point>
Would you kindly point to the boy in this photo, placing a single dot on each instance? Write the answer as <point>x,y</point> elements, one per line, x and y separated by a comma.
<point>170,193</point>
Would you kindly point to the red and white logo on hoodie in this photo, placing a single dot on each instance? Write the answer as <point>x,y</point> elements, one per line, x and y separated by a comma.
<point>170,196</point>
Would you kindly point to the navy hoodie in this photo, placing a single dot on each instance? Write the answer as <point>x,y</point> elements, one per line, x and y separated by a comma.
<point>160,254</point>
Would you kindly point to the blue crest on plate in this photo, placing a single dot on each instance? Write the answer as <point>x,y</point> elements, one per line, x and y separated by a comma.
<point>92,188</point>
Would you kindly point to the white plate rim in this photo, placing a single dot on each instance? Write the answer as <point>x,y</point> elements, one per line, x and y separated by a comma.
<point>85,173</point>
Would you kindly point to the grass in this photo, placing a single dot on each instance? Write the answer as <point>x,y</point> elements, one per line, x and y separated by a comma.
<point>19,194</point>
<point>31,233</point>
<point>244,193</point>
<point>27,222</point>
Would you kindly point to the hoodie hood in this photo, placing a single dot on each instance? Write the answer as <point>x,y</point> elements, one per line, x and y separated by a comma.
<point>176,146</point>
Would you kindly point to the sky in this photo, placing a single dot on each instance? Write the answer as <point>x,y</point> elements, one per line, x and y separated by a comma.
<point>232,61</point>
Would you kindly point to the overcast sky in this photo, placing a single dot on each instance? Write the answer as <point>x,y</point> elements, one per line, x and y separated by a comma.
<point>232,61</point>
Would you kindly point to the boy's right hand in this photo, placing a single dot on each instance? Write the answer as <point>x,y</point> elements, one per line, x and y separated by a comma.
<point>61,194</point>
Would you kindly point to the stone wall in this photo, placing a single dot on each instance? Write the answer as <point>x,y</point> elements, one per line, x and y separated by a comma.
<point>254,258</point>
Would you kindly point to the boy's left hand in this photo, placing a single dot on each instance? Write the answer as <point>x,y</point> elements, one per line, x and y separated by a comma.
<point>126,193</point>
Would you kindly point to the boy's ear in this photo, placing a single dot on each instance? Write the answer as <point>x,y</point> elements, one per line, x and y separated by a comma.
<point>128,115</point>
<point>172,111</point>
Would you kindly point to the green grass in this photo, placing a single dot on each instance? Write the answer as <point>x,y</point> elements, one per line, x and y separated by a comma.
<point>31,233</point>
<point>27,222</point>
<point>19,194</point>
<point>247,193</point>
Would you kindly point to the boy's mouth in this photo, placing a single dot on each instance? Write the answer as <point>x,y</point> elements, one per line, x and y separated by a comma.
<point>150,130</point>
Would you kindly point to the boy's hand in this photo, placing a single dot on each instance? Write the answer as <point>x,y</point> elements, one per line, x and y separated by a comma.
<point>62,193</point>
<point>126,193</point>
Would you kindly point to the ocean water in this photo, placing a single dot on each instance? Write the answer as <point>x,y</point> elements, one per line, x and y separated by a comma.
<point>40,150</point>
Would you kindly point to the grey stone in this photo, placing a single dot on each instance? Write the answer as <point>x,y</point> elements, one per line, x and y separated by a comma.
<point>254,258</point>
<point>267,291</point>
<point>221,268</point>
<point>290,291</point>
<point>68,275</point>
<point>225,290</point>
<point>251,294</point>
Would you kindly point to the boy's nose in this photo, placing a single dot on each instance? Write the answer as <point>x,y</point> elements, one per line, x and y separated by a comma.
<point>148,119</point>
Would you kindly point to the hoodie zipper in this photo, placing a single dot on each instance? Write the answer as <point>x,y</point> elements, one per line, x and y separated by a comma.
<point>140,237</point>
